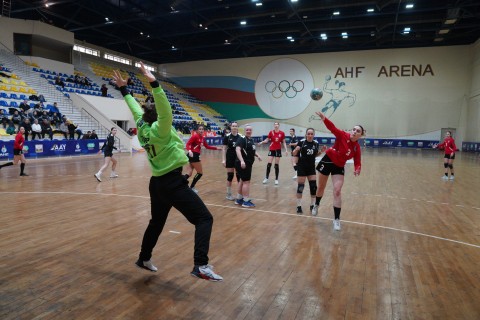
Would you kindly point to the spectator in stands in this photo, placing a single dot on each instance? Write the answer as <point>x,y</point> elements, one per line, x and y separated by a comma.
<point>62,128</point>
<point>45,115</point>
<point>87,135</point>
<point>27,126</point>
<point>16,117</point>
<point>55,108</point>
<point>10,128</point>
<point>34,115</point>
<point>59,82</point>
<point>104,90</point>
<point>55,119</point>
<point>46,129</point>
<point>36,129</point>
<point>93,135</point>
<point>39,107</point>
<point>72,129</point>
<point>77,79</point>
<point>3,118</point>
<point>25,106</point>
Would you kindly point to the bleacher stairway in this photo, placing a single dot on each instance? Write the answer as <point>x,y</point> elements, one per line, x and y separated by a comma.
<point>51,94</point>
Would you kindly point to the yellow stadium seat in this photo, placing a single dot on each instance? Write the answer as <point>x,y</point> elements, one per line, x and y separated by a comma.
<point>23,90</point>
<point>14,89</point>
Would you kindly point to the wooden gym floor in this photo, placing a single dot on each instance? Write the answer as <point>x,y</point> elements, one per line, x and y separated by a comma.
<point>409,247</point>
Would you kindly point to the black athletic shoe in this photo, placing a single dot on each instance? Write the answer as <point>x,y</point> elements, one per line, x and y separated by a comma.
<point>147,265</point>
<point>23,175</point>
<point>299,210</point>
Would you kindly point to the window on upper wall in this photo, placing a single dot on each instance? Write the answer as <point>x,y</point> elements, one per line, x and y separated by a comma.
<point>86,50</point>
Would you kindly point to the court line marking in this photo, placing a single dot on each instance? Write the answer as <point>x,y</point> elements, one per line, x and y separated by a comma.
<point>257,210</point>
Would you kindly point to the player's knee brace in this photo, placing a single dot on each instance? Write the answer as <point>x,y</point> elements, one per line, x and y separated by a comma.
<point>445,165</point>
<point>313,187</point>
<point>230,176</point>
<point>450,166</point>
<point>300,188</point>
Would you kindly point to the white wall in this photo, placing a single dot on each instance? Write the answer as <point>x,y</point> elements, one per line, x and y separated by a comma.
<point>388,105</point>
<point>473,105</point>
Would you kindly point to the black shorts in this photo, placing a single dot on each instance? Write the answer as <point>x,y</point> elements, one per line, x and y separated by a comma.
<point>244,174</point>
<point>447,156</point>
<point>108,153</point>
<point>275,153</point>
<point>195,158</point>
<point>230,160</point>
<point>327,167</point>
<point>305,171</point>
<point>17,152</point>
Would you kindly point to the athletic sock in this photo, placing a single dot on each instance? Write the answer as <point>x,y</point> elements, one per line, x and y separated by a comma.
<point>336,211</point>
<point>317,200</point>
<point>6,164</point>
<point>22,167</point>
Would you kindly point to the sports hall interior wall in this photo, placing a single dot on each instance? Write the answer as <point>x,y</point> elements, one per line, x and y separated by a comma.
<point>437,87</point>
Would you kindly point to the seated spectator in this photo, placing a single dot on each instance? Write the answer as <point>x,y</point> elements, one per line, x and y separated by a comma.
<point>34,115</point>
<point>36,129</point>
<point>72,129</point>
<point>93,135</point>
<point>25,106</point>
<point>62,128</point>
<point>55,108</point>
<point>27,126</point>
<point>3,118</point>
<point>104,90</point>
<point>16,117</point>
<point>39,107</point>
<point>46,129</point>
<point>11,128</point>
<point>59,82</point>
<point>87,135</point>
<point>55,119</point>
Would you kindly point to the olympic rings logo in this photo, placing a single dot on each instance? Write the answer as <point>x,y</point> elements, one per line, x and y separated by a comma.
<point>284,87</point>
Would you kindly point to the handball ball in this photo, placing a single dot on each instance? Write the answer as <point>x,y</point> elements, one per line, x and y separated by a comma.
<point>316,94</point>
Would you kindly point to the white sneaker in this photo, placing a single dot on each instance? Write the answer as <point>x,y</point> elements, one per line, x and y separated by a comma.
<point>314,210</point>
<point>452,177</point>
<point>294,177</point>
<point>96,175</point>
<point>265,181</point>
<point>445,178</point>
<point>336,225</point>
<point>229,197</point>
<point>113,175</point>
<point>194,190</point>
<point>276,182</point>
<point>205,272</point>
<point>148,265</point>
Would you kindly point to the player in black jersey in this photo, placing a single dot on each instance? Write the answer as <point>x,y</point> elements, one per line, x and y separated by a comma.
<point>246,154</point>
<point>307,150</point>
<point>107,149</point>
<point>293,143</point>
<point>229,155</point>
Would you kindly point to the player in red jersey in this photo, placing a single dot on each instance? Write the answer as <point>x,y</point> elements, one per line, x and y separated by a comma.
<point>194,148</point>
<point>449,146</point>
<point>276,137</point>
<point>345,148</point>
<point>18,152</point>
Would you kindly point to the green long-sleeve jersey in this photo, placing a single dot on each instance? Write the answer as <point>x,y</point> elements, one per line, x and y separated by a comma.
<point>164,148</point>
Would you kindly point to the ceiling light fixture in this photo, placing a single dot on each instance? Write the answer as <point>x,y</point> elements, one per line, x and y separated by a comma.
<point>444,31</point>
<point>243,23</point>
<point>409,6</point>
<point>336,13</point>
<point>370,10</point>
